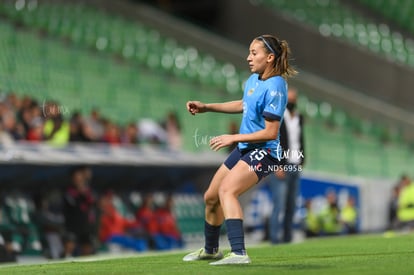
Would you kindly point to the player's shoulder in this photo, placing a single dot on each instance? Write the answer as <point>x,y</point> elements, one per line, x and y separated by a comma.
<point>276,83</point>
<point>253,77</point>
<point>277,79</point>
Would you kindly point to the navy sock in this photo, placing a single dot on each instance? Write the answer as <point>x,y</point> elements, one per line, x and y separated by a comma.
<point>235,235</point>
<point>212,235</point>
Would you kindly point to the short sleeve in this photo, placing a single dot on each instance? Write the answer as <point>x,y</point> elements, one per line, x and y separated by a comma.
<point>275,102</point>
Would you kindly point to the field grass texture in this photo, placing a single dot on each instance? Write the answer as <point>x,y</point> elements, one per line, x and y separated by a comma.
<point>363,254</point>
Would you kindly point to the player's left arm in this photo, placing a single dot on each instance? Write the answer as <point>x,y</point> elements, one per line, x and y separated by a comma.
<point>275,105</point>
<point>270,132</point>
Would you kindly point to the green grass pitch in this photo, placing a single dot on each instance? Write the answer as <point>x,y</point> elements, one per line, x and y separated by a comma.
<point>363,254</point>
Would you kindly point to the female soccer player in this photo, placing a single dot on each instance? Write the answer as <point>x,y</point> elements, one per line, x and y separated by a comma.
<point>258,151</point>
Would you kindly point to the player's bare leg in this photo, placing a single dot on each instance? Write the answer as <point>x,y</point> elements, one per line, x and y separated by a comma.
<point>213,211</point>
<point>214,218</point>
<point>238,180</point>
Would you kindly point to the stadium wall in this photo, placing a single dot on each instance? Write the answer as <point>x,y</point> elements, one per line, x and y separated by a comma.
<point>372,200</point>
<point>374,195</point>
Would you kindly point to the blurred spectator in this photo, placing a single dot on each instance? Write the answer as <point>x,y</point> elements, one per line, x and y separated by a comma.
<point>330,222</point>
<point>173,130</point>
<point>12,126</point>
<point>393,204</point>
<point>50,222</point>
<point>160,224</point>
<point>79,132</point>
<point>146,216</point>
<point>116,229</point>
<point>349,216</point>
<point>35,131</point>
<point>30,111</point>
<point>56,130</point>
<point>130,134</point>
<point>169,236</point>
<point>405,212</point>
<point>80,214</point>
<point>24,119</point>
<point>94,124</point>
<point>312,225</point>
<point>151,132</point>
<point>111,134</point>
<point>5,138</point>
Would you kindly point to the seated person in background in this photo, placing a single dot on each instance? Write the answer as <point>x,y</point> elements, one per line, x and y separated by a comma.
<point>349,217</point>
<point>168,231</point>
<point>405,212</point>
<point>145,215</point>
<point>330,216</point>
<point>130,135</point>
<point>111,134</point>
<point>173,131</point>
<point>35,131</point>
<point>55,130</point>
<point>311,223</point>
<point>116,229</point>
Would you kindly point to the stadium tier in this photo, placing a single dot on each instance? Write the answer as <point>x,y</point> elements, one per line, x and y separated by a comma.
<point>86,58</point>
<point>336,19</point>
<point>401,11</point>
<point>93,29</point>
<point>80,80</point>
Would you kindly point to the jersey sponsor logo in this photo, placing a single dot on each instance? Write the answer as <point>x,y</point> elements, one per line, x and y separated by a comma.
<point>273,106</point>
<point>244,108</point>
<point>275,93</point>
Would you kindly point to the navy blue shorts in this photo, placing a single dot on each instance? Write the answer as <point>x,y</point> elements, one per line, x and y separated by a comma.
<point>259,161</point>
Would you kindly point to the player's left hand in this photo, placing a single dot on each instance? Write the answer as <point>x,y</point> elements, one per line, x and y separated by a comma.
<point>218,142</point>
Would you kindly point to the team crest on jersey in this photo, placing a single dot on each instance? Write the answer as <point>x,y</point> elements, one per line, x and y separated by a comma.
<point>250,92</point>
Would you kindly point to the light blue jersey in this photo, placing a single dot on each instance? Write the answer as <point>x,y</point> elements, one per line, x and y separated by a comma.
<point>263,99</point>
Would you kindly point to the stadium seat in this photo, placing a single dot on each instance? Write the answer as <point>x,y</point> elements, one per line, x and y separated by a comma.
<point>92,59</point>
<point>332,18</point>
<point>401,11</point>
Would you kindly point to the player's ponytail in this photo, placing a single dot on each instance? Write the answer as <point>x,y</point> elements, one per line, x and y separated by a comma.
<point>282,65</point>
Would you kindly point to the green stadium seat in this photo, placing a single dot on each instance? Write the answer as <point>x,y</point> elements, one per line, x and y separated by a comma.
<point>332,18</point>
<point>141,82</point>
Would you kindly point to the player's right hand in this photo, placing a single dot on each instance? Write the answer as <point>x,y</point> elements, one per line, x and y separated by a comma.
<point>195,107</point>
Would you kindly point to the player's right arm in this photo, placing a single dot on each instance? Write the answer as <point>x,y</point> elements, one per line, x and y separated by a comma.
<point>230,107</point>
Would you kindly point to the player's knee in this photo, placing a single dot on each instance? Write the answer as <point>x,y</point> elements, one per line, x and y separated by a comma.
<point>210,200</point>
<point>225,191</point>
